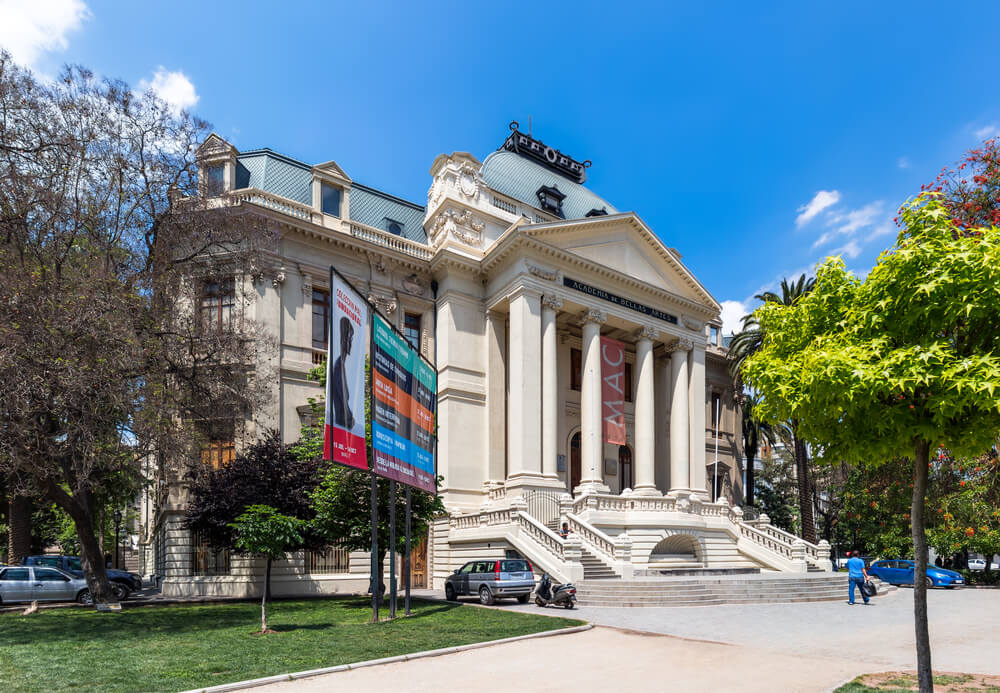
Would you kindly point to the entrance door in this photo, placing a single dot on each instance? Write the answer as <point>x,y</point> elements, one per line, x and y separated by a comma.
<point>574,462</point>
<point>418,564</point>
<point>625,466</point>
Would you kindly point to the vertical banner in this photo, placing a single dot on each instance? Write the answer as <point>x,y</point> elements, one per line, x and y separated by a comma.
<point>404,399</point>
<point>347,352</point>
<point>613,390</point>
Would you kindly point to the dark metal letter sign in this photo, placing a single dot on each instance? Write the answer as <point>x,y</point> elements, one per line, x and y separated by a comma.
<point>618,300</point>
<point>529,147</point>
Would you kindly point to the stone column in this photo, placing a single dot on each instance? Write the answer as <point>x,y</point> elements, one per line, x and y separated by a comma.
<point>496,396</point>
<point>680,479</point>
<point>550,387</point>
<point>696,401</point>
<point>591,439</point>
<point>645,447</point>
<point>524,392</point>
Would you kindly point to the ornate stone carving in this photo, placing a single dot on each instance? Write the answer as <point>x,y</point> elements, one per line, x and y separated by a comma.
<point>413,286</point>
<point>546,274</point>
<point>553,302</point>
<point>693,324</point>
<point>386,304</point>
<point>377,262</point>
<point>594,315</point>
<point>679,345</point>
<point>307,286</point>
<point>279,278</point>
<point>647,332</point>
<point>468,181</point>
<point>460,224</point>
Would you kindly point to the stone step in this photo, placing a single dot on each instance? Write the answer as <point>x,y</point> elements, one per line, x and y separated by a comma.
<point>629,603</point>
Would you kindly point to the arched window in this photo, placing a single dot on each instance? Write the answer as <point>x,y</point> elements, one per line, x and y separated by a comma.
<point>574,461</point>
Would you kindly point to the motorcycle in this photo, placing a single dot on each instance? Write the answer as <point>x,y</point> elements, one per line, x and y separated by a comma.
<point>547,594</point>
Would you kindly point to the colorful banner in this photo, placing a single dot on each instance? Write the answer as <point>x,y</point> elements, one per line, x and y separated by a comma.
<point>404,400</point>
<point>613,390</point>
<point>347,352</point>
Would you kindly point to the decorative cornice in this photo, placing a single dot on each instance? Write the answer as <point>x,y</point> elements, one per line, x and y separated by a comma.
<point>546,274</point>
<point>679,345</point>
<point>386,304</point>
<point>550,301</point>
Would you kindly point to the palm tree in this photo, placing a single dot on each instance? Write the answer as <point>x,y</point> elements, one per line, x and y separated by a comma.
<point>754,431</point>
<point>746,344</point>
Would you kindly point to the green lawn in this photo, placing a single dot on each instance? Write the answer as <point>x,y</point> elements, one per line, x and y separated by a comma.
<point>903,682</point>
<point>174,648</point>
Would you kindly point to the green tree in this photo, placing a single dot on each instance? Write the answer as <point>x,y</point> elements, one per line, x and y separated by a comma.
<point>889,366</point>
<point>776,491</point>
<point>747,343</point>
<point>754,431</point>
<point>263,531</point>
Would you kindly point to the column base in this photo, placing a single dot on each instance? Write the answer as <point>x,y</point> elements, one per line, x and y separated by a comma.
<point>647,491</point>
<point>534,481</point>
<point>591,487</point>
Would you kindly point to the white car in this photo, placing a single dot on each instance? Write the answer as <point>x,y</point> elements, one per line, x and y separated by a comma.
<point>980,564</point>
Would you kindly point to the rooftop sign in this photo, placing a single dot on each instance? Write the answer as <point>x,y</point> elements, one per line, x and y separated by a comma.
<point>550,158</point>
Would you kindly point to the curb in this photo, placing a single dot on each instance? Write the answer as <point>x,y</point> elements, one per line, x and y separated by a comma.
<point>279,678</point>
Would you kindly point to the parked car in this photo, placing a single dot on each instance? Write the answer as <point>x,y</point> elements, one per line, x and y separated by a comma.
<point>31,583</point>
<point>492,579</point>
<point>900,572</point>
<point>122,583</point>
<point>980,564</point>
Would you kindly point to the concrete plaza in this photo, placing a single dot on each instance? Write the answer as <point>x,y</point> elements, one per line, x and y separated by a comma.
<point>768,647</point>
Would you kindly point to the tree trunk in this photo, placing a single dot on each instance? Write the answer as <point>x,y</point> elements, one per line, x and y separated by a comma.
<point>18,529</point>
<point>80,508</point>
<point>748,490</point>
<point>805,488</point>
<point>920,464</point>
<point>264,597</point>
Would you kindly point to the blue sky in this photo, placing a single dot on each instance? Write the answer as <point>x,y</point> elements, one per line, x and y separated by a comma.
<point>757,138</point>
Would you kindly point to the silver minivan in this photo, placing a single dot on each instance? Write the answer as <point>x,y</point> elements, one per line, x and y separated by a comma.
<point>491,579</point>
<point>36,583</point>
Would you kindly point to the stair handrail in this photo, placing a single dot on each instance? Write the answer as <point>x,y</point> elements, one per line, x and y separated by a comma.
<point>542,535</point>
<point>765,540</point>
<point>597,541</point>
<point>812,550</point>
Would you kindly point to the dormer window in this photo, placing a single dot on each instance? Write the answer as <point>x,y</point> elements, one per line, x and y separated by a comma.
<point>215,180</point>
<point>602,212</point>
<point>330,199</point>
<point>551,199</point>
<point>394,227</point>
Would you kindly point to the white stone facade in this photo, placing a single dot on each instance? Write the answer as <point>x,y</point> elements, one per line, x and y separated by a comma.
<point>509,299</point>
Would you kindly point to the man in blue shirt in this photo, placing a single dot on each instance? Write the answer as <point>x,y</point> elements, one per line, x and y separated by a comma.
<point>856,576</point>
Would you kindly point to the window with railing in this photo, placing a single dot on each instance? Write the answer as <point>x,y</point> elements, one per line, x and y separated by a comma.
<point>328,562</point>
<point>205,560</point>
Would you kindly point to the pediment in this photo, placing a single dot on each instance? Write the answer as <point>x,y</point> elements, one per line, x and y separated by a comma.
<point>331,169</point>
<point>624,244</point>
<point>213,146</point>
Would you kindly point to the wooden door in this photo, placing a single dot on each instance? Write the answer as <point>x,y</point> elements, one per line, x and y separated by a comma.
<point>574,462</point>
<point>418,564</point>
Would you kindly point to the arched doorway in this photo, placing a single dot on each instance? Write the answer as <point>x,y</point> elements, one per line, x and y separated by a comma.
<point>625,466</point>
<point>574,462</point>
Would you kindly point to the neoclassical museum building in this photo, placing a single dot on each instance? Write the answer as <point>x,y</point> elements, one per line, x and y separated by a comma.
<point>507,278</point>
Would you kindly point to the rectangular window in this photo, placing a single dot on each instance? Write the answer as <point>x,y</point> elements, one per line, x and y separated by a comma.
<point>218,298</point>
<point>628,381</point>
<point>218,445</point>
<point>575,369</point>
<point>330,199</point>
<point>716,412</point>
<point>411,329</point>
<point>331,561</point>
<point>713,335</point>
<point>205,560</point>
<point>321,318</point>
<point>215,180</point>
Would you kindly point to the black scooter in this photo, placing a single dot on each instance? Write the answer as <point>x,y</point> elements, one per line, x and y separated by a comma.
<point>547,594</point>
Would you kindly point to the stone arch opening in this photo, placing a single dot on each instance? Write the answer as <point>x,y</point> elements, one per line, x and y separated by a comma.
<point>677,546</point>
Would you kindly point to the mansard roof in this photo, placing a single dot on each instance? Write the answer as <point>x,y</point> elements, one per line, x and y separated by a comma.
<point>520,178</point>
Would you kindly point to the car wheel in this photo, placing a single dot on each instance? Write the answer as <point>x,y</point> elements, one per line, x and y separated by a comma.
<point>568,605</point>
<point>449,593</point>
<point>120,591</point>
<point>84,597</point>
<point>929,582</point>
<point>523,598</point>
<point>485,596</point>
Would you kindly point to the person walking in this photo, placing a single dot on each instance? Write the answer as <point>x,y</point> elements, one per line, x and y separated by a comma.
<point>856,576</point>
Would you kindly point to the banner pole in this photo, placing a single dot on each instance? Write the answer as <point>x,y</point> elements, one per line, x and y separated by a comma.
<point>392,548</point>
<point>406,572</point>
<point>376,582</point>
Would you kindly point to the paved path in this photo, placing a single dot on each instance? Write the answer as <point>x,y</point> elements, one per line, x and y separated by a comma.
<point>766,647</point>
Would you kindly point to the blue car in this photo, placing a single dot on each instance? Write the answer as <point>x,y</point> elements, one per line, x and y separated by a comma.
<point>900,572</point>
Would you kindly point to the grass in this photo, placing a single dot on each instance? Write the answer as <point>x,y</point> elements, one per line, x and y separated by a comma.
<point>900,682</point>
<point>173,648</point>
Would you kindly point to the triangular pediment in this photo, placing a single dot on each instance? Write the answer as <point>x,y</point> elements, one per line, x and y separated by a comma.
<point>331,169</point>
<point>213,146</point>
<point>625,245</point>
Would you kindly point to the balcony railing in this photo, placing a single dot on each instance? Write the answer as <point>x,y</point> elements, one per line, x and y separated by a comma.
<point>275,202</point>
<point>391,241</point>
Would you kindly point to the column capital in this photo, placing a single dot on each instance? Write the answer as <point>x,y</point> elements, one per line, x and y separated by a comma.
<point>647,332</point>
<point>551,301</point>
<point>679,345</point>
<point>594,315</point>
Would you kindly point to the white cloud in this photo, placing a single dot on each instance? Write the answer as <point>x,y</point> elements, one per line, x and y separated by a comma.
<point>821,200</point>
<point>732,316</point>
<point>883,229</point>
<point>29,28</point>
<point>825,238</point>
<point>992,130</point>
<point>851,249</point>
<point>856,219</point>
<point>173,87</point>
<point>903,162</point>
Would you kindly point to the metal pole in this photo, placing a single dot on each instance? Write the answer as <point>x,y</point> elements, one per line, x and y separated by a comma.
<point>406,572</point>
<point>715,482</point>
<point>376,583</point>
<point>392,548</point>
